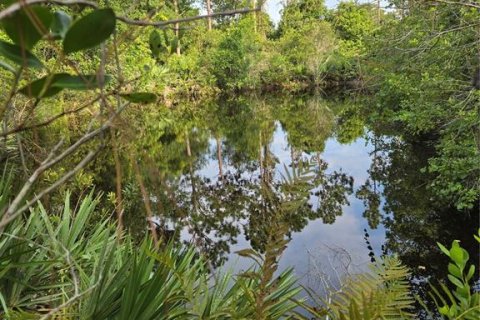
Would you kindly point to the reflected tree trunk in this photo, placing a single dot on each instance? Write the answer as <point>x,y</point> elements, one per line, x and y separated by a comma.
<point>266,166</point>
<point>219,158</point>
<point>260,157</point>
<point>190,165</point>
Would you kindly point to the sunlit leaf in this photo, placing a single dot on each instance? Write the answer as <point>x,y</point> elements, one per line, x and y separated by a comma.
<point>454,270</point>
<point>90,31</point>
<point>27,26</point>
<point>444,250</point>
<point>455,281</point>
<point>19,55</point>
<point>471,272</point>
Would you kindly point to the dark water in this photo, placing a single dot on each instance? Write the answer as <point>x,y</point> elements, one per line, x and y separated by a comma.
<point>218,178</point>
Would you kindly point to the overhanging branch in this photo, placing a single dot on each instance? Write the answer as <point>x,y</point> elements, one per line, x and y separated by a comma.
<point>18,5</point>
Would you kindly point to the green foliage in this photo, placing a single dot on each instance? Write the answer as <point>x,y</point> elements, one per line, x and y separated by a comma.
<point>382,293</point>
<point>354,23</point>
<point>60,25</point>
<point>51,85</point>
<point>425,91</point>
<point>463,302</point>
<point>27,26</point>
<point>47,259</point>
<point>140,97</point>
<point>231,60</point>
<point>89,31</point>
<point>300,13</point>
<point>18,55</point>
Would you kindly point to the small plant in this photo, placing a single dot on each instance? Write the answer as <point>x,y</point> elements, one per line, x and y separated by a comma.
<point>463,302</point>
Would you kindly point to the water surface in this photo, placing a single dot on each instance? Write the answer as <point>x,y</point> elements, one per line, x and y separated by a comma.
<point>220,172</point>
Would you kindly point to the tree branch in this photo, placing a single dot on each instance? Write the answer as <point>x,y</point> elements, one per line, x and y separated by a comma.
<point>465,4</point>
<point>18,5</point>
<point>12,212</point>
<point>187,19</point>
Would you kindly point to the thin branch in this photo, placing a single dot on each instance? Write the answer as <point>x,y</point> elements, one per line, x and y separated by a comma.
<point>187,19</point>
<point>28,184</point>
<point>465,4</point>
<point>18,5</point>
<point>22,127</point>
<point>9,218</point>
<point>11,213</point>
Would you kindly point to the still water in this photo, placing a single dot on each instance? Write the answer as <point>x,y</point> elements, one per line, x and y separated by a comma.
<point>318,246</point>
<point>241,172</point>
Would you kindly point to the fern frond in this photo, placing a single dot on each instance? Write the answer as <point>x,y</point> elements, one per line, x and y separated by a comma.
<point>382,293</point>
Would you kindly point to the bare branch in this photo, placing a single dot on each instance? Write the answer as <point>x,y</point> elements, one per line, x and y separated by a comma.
<point>12,212</point>
<point>465,4</point>
<point>9,218</point>
<point>187,19</point>
<point>22,127</point>
<point>18,5</point>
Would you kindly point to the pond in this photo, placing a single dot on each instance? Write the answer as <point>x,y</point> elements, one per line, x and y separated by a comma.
<point>242,172</point>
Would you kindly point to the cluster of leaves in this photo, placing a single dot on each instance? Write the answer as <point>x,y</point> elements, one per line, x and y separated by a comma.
<point>463,302</point>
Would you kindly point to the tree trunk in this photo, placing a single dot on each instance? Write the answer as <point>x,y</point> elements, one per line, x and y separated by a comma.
<point>209,12</point>
<point>260,157</point>
<point>219,158</point>
<point>254,16</point>
<point>177,27</point>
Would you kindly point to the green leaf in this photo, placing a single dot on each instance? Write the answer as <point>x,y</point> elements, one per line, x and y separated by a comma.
<point>81,82</point>
<point>60,25</point>
<point>89,31</point>
<point>139,97</point>
<point>459,255</point>
<point>50,85</point>
<point>455,281</point>
<point>19,55</point>
<point>7,67</point>
<point>27,26</point>
<point>454,270</point>
<point>444,250</point>
<point>470,273</point>
<point>40,88</point>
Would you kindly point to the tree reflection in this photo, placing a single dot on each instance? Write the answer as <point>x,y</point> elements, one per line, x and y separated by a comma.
<point>247,198</point>
<point>414,217</point>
